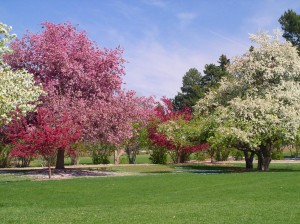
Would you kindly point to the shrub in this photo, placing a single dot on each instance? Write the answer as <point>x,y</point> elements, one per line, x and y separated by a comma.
<point>5,155</point>
<point>80,149</point>
<point>293,149</point>
<point>123,160</point>
<point>21,161</point>
<point>201,155</point>
<point>277,154</point>
<point>237,154</point>
<point>222,154</point>
<point>101,152</point>
<point>158,155</point>
<point>182,156</point>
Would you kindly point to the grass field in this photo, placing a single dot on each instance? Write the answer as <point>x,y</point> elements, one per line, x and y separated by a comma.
<point>160,195</point>
<point>141,159</point>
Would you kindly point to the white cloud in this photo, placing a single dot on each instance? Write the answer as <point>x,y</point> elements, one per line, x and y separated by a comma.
<point>186,18</point>
<point>156,67</point>
<point>158,3</point>
<point>155,70</point>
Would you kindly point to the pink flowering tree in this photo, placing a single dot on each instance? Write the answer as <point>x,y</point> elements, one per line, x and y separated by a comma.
<point>80,79</point>
<point>138,138</point>
<point>118,122</point>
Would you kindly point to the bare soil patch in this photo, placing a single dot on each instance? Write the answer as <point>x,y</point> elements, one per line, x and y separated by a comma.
<point>66,174</point>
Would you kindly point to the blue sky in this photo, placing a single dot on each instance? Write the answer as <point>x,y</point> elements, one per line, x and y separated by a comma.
<point>162,39</point>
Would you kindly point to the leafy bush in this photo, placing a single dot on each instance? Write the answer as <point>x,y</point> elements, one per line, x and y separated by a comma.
<point>123,160</point>
<point>5,155</point>
<point>201,155</point>
<point>222,154</point>
<point>158,155</point>
<point>293,149</point>
<point>21,161</point>
<point>277,154</point>
<point>100,152</point>
<point>237,154</point>
<point>80,150</point>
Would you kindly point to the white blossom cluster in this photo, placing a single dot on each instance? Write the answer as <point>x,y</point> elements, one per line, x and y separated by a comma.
<point>17,88</point>
<point>6,37</point>
<point>262,101</point>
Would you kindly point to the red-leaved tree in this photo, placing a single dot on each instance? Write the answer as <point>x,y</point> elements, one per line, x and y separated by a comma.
<point>164,112</point>
<point>45,135</point>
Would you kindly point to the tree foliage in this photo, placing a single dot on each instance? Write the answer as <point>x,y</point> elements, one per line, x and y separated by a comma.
<point>214,73</point>
<point>17,88</point>
<point>169,129</point>
<point>290,24</point>
<point>77,75</point>
<point>45,136</point>
<point>81,79</point>
<point>259,108</point>
<point>195,86</point>
<point>191,90</point>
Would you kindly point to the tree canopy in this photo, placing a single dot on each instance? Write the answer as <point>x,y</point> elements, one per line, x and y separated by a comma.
<point>80,79</point>
<point>195,86</point>
<point>290,24</point>
<point>261,104</point>
<point>191,90</point>
<point>17,87</point>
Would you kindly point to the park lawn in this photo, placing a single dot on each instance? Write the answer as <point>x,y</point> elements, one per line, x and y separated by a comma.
<point>234,197</point>
<point>142,158</point>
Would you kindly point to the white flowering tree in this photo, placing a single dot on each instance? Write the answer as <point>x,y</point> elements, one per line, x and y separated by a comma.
<point>259,108</point>
<point>17,88</point>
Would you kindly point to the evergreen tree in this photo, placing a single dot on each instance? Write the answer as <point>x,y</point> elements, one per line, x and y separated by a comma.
<point>290,24</point>
<point>194,85</point>
<point>191,90</point>
<point>214,73</point>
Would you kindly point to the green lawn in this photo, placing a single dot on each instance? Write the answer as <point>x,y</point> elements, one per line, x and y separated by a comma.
<point>141,159</point>
<point>187,197</point>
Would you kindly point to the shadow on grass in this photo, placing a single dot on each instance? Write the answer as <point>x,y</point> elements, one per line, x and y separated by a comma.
<point>21,175</point>
<point>236,168</point>
<point>157,172</point>
<point>207,169</point>
<point>14,171</point>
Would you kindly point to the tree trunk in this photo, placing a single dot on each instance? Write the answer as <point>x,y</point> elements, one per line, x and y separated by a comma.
<point>264,157</point>
<point>49,168</point>
<point>117,155</point>
<point>60,161</point>
<point>259,160</point>
<point>74,159</point>
<point>267,161</point>
<point>212,155</point>
<point>266,152</point>
<point>184,157</point>
<point>249,159</point>
<point>177,156</point>
<point>116,158</point>
<point>131,154</point>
